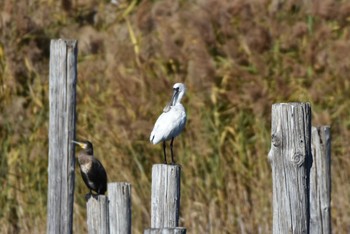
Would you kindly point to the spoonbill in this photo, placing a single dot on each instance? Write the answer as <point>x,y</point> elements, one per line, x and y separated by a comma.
<point>91,169</point>
<point>171,122</point>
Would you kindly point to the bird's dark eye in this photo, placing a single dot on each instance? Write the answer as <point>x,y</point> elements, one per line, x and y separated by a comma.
<point>176,89</point>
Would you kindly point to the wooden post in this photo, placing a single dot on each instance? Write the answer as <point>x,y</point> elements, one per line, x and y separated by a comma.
<point>165,204</point>
<point>290,158</point>
<point>119,208</point>
<point>62,82</point>
<point>177,230</point>
<point>97,215</point>
<point>320,181</point>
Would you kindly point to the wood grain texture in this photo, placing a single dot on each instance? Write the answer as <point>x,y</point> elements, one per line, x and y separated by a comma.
<point>165,201</point>
<point>97,215</point>
<point>320,181</point>
<point>119,207</point>
<point>290,158</point>
<point>61,170</point>
<point>177,230</point>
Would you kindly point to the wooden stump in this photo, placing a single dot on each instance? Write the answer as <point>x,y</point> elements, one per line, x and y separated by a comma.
<point>97,215</point>
<point>290,158</point>
<point>320,181</point>
<point>119,208</point>
<point>165,204</point>
<point>178,230</point>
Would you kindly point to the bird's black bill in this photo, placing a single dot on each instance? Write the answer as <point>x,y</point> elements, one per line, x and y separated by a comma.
<point>172,101</point>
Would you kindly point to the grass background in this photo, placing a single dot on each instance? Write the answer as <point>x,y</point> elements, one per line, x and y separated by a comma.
<point>236,57</point>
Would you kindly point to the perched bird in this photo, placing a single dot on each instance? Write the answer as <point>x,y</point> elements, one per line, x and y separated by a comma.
<point>92,171</point>
<point>171,122</point>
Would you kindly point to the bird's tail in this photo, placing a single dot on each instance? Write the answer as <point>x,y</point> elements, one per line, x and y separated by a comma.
<point>151,138</point>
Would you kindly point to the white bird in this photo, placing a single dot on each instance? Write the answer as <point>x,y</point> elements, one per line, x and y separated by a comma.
<point>171,122</point>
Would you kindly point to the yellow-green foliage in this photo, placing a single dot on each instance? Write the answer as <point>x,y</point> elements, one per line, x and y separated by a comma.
<point>236,58</point>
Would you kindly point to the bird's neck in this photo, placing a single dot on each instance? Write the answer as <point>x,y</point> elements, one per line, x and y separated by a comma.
<point>89,152</point>
<point>84,159</point>
<point>178,99</point>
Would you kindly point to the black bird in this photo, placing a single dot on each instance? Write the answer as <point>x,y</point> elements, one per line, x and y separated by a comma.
<point>92,171</point>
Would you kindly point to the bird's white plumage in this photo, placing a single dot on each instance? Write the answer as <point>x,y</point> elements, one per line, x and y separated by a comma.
<point>173,120</point>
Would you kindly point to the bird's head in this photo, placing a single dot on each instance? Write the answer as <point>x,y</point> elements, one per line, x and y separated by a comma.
<point>179,90</point>
<point>180,87</point>
<point>86,145</point>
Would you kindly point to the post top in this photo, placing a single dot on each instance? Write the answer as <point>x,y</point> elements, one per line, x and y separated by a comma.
<point>96,198</point>
<point>68,42</point>
<point>292,103</point>
<point>119,183</point>
<point>162,165</point>
<point>63,40</point>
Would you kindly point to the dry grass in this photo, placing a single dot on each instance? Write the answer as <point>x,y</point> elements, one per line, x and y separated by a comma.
<point>236,58</point>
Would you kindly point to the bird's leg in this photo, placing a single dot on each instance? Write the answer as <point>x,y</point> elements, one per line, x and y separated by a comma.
<point>88,195</point>
<point>164,146</point>
<point>171,149</point>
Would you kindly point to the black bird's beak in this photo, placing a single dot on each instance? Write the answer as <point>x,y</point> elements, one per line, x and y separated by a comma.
<point>81,144</point>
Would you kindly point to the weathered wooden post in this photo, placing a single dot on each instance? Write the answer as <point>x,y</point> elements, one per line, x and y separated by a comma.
<point>97,215</point>
<point>290,158</point>
<point>320,181</point>
<point>119,208</point>
<point>177,230</point>
<point>62,82</point>
<point>165,201</point>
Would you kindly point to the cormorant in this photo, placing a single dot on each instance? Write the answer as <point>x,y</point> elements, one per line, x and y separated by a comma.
<point>91,169</point>
<point>171,122</point>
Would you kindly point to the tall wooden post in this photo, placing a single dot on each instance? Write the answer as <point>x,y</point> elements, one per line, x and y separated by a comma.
<point>290,158</point>
<point>165,204</point>
<point>98,215</point>
<point>178,230</point>
<point>320,181</point>
<point>62,82</point>
<point>119,208</point>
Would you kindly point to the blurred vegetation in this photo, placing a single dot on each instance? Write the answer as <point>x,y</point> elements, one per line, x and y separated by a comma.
<point>236,57</point>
